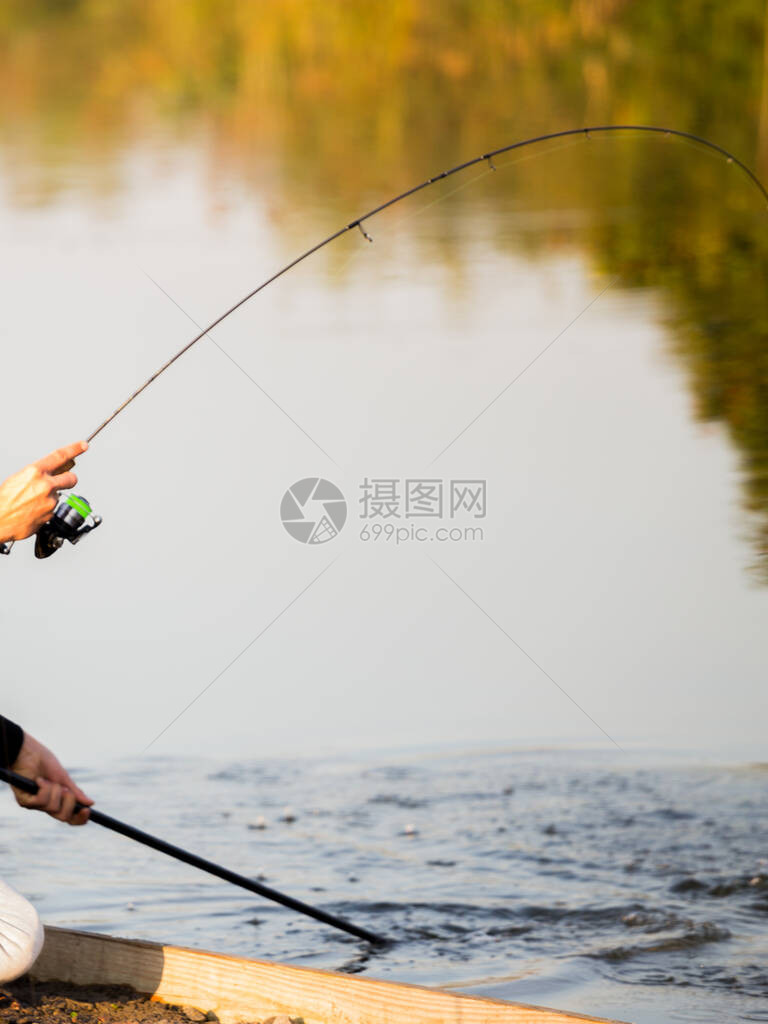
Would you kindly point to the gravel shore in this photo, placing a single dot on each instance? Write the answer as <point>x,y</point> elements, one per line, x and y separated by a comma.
<point>29,1002</point>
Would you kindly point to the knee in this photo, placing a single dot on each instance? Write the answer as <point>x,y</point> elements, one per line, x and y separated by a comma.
<point>21,934</point>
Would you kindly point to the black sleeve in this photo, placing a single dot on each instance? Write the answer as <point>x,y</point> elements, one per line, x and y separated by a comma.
<point>11,738</point>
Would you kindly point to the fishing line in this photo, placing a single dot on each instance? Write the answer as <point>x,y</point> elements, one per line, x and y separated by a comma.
<point>359,222</point>
<point>493,169</point>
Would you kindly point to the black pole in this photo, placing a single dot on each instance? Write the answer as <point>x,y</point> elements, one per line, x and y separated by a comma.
<point>29,786</point>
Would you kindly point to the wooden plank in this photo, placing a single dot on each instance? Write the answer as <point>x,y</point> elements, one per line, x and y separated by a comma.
<point>239,990</point>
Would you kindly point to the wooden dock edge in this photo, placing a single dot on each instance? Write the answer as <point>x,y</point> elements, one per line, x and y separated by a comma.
<point>239,990</point>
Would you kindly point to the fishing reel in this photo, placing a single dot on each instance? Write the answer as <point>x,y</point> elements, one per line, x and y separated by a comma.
<point>71,520</point>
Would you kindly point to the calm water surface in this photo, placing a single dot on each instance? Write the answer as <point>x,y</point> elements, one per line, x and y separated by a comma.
<point>635,887</point>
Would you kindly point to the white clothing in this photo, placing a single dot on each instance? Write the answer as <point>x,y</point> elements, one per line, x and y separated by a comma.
<point>21,934</point>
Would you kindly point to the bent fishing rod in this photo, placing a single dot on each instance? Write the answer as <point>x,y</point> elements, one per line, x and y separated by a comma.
<point>73,517</point>
<point>30,786</point>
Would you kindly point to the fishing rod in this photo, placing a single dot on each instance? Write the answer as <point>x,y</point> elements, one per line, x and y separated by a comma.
<point>29,786</point>
<point>71,521</point>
